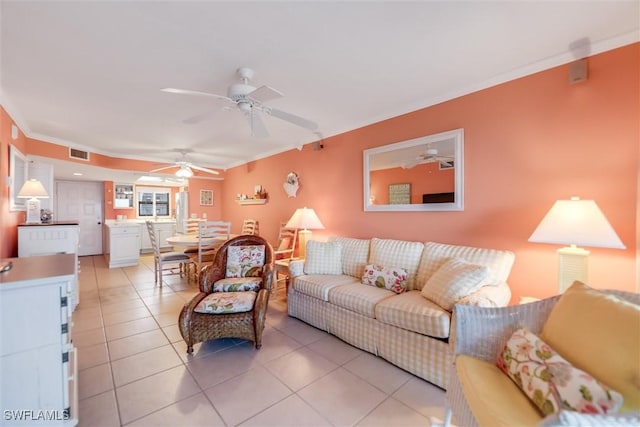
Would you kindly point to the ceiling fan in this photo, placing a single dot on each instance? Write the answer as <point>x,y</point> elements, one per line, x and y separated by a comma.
<point>429,156</point>
<point>185,167</point>
<point>249,100</point>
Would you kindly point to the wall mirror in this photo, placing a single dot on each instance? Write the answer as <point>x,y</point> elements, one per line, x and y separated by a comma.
<point>421,174</point>
<point>18,174</point>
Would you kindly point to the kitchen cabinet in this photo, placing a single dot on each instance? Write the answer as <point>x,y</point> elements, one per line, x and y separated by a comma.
<point>123,244</point>
<point>52,239</point>
<point>38,363</point>
<point>165,229</point>
<point>123,196</point>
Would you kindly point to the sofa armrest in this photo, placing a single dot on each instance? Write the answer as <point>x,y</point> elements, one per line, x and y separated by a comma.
<point>488,296</point>
<point>481,332</point>
<point>296,268</point>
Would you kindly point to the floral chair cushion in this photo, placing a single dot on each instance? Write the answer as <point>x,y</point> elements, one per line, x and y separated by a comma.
<point>245,261</point>
<point>550,381</point>
<point>227,302</point>
<point>392,278</point>
<point>238,284</point>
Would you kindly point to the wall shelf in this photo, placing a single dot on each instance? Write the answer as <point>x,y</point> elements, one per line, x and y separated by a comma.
<point>251,201</point>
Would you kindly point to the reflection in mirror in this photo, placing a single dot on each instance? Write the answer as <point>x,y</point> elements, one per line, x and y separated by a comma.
<point>422,174</point>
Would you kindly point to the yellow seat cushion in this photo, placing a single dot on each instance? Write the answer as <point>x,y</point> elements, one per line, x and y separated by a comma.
<point>599,334</point>
<point>493,398</point>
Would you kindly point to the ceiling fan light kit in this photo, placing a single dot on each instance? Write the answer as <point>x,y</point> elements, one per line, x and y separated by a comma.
<point>249,100</point>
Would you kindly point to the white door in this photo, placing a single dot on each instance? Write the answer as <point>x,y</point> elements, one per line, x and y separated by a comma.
<point>82,202</point>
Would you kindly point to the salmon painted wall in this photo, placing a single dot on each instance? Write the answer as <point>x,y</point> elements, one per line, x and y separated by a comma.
<point>528,142</point>
<point>8,220</point>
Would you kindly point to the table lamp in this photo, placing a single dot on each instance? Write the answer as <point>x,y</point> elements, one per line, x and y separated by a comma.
<point>33,190</point>
<point>304,219</point>
<point>575,222</point>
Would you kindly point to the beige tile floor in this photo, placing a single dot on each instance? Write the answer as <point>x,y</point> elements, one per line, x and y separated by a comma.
<point>134,370</point>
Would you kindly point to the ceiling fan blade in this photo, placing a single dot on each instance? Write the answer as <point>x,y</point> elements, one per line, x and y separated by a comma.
<point>211,171</point>
<point>411,164</point>
<point>265,93</point>
<point>197,118</point>
<point>256,124</point>
<point>197,93</point>
<point>292,118</point>
<point>164,168</point>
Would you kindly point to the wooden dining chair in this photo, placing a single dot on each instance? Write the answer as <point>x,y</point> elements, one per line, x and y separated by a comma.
<point>284,252</point>
<point>211,235</point>
<point>250,227</point>
<point>165,261</point>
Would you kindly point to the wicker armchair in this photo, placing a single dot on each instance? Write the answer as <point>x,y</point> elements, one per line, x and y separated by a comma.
<point>198,327</point>
<point>481,332</point>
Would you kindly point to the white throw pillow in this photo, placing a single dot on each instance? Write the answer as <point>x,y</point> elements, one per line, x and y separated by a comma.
<point>323,258</point>
<point>456,279</point>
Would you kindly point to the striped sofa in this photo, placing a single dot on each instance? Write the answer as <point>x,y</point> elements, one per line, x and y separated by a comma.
<point>406,329</point>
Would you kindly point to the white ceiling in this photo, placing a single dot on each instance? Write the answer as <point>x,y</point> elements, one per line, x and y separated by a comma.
<point>88,74</point>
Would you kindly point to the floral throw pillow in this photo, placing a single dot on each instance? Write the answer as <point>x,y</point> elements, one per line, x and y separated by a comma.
<point>550,381</point>
<point>245,261</point>
<point>238,284</point>
<point>394,279</point>
<point>226,302</point>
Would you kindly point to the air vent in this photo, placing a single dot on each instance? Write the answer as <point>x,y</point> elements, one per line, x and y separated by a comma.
<point>78,154</point>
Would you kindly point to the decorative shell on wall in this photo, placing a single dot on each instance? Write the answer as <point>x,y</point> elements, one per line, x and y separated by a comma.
<point>291,185</point>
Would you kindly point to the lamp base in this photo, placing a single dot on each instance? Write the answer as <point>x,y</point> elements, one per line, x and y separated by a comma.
<point>33,212</point>
<point>573,265</point>
<point>303,237</point>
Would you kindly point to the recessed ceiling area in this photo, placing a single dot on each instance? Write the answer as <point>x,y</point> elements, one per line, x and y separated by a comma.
<point>89,74</point>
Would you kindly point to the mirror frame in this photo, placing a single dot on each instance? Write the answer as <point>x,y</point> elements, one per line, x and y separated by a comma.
<point>18,174</point>
<point>458,205</point>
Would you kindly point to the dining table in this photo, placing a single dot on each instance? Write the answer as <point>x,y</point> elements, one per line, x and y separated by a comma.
<point>192,239</point>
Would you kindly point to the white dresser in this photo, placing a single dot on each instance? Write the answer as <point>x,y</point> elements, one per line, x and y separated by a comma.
<point>38,363</point>
<point>51,239</point>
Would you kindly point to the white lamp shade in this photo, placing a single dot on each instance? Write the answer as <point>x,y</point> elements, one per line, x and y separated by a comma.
<point>305,219</point>
<point>576,222</point>
<point>184,172</point>
<point>33,189</point>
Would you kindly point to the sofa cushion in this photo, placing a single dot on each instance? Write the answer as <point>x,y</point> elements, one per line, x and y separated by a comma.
<point>456,279</point>
<point>394,279</point>
<point>359,298</point>
<point>436,254</point>
<point>598,333</point>
<point>397,253</point>
<point>493,398</point>
<point>355,255</point>
<point>323,258</point>
<point>318,285</point>
<point>550,381</point>
<point>412,312</point>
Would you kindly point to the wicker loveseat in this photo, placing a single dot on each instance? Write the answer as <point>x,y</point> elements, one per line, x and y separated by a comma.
<point>596,331</point>
<point>197,326</point>
<point>406,328</point>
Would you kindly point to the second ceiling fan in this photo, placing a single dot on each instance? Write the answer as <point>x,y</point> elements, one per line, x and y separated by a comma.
<point>249,100</point>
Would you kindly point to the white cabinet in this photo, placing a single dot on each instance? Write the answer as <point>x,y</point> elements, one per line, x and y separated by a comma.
<point>37,360</point>
<point>165,229</point>
<point>123,244</point>
<point>123,196</point>
<point>51,239</point>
